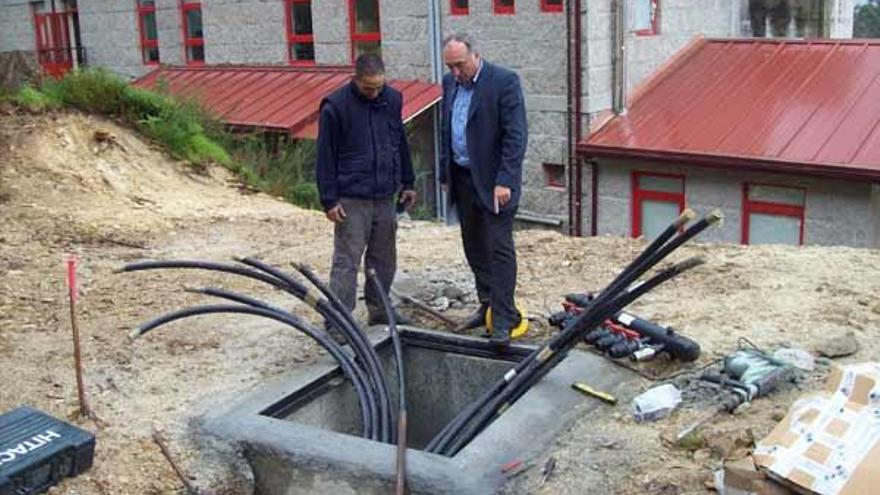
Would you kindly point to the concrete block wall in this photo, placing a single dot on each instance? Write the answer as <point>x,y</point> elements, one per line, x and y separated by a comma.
<point>679,22</point>
<point>110,35</point>
<point>332,36</point>
<point>245,32</point>
<point>170,27</point>
<point>837,212</point>
<point>16,26</point>
<point>405,49</point>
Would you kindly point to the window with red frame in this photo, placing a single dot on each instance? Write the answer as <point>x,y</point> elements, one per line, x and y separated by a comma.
<point>366,36</point>
<point>146,10</point>
<point>551,5</point>
<point>646,17</point>
<point>554,175</point>
<point>459,7</point>
<point>773,214</point>
<point>193,35</point>
<point>300,39</point>
<point>504,6</point>
<point>657,200</point>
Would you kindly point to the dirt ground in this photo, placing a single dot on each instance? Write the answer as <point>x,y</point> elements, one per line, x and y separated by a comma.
<point>121,200</point>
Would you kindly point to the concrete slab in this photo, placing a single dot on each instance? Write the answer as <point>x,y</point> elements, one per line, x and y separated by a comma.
<point>301,435</point>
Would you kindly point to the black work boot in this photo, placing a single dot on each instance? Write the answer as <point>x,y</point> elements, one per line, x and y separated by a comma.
<point>475,320</point>
<point>502,337</point>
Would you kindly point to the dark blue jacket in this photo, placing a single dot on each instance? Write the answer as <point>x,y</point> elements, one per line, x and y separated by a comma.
<point>497,133</point>
<point>362,148</point>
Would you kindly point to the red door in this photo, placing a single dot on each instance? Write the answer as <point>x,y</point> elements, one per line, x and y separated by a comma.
<point>53,42</point>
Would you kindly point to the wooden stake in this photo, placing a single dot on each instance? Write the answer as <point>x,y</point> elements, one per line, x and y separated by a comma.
<point>77,355</point>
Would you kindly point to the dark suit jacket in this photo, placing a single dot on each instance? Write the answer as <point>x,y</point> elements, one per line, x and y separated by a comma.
<point>497,134</point>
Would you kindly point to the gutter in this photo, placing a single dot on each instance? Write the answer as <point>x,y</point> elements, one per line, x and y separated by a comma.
<point>728,162</point>
<point>574,125</point>
<point>618,58</point>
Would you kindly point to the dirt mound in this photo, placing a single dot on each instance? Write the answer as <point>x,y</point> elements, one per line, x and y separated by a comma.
<point>97,179</point>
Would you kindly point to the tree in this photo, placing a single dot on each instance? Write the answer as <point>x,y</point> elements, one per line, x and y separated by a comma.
<point>867,20</point>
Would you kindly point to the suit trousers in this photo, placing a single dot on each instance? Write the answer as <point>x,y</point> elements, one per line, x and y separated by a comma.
<point>370,225</point>
<point>488,246</point>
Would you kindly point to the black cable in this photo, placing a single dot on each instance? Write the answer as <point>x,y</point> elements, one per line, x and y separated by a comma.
<point>344,360</point>
<point>352,334</point>
<point>594,315</point>
<point>401,382</point>
<point>370,357</point>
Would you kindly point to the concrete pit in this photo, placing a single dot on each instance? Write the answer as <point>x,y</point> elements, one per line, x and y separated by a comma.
<point>302,435</point>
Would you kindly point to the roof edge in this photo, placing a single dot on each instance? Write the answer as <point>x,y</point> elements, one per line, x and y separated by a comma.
<point>814,169</point>
<point>667,68</point>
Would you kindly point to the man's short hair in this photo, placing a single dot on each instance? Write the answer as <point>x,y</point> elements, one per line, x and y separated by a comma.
<point>368,64</point>
<point>469,41</point>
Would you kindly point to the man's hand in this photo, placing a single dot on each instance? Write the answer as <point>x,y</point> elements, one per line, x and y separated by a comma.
<point>336,214</point>
<point>502,197</point>
<point>408,197</point>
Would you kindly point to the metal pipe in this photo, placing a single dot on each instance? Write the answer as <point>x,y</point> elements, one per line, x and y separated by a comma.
<point>594,198</point>
<point>618,58</point>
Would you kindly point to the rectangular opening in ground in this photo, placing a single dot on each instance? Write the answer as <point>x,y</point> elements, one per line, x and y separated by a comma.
<point>442,377</point>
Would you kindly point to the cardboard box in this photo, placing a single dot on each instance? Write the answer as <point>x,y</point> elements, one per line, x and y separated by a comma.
<point>829,442</point>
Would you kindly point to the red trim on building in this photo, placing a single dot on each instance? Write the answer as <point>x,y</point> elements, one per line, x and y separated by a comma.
<point>356,37</point>
<point>655,21</point>
<point>458,10</point>
<point>142,11</point>
<point>189,41</point>
<point>639,195</point>
<point>554,175</point>
<point>770,208</point>
<point>293,38</point>
<point>52,36</point>
<point>499,8</point>
<point>546,6</point>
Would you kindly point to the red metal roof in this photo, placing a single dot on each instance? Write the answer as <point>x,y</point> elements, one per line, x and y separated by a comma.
<point>810,107</point>
<point>276,98</point>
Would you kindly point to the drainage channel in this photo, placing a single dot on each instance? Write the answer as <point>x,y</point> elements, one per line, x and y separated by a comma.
<point>302,435</point>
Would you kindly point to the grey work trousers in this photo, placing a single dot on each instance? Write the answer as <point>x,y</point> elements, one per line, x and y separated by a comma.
<point>371,225</point>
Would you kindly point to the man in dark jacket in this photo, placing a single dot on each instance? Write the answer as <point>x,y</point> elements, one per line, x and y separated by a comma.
<point>363,161</point>
<point>483,141</point>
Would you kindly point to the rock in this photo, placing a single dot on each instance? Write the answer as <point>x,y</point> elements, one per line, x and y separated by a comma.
<point>701,456</point>
<point>840,346</point>
<point>741,474</point>
<point>441,303</point>
<point>453,292</point>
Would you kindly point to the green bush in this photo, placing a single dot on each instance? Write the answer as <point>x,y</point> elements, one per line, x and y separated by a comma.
<point>92,90</point>
<point>201,149</point>
<point>305,194</point>
<point>35,100</point>
<point>139,104</point>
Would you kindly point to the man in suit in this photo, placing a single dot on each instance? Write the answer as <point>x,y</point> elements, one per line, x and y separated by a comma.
<point>483,141</point>
<point>363,160</point>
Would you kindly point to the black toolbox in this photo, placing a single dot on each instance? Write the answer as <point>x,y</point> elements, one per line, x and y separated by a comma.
<point>38,451</point>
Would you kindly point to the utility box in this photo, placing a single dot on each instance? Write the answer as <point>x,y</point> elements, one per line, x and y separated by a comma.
<point>38,451</point>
